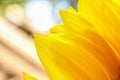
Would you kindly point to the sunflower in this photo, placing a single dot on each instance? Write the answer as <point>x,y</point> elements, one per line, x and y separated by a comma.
<point>86,46</point>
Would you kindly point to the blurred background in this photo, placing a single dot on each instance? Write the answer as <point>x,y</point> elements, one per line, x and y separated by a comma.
<point>19,19</point>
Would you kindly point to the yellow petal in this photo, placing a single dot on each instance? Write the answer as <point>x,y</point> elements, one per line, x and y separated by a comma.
<point>58,29</point>
<point>73,22</point>
<point>70,8</point>
<point>75,57</point>
<point>28,77</point>
<point>100,48</point>
<point>117,2</point>
<point>104,15</point>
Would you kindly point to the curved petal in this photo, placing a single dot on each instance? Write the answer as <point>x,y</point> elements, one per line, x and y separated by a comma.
<point>73,22</point>
<point>86,55</point>
<point>105,16</point>
<point>75,57</point>
<point>58,29</point>
<point>70,8</point>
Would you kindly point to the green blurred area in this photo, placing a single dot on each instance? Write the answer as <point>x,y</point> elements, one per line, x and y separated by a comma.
<point>5,3</point>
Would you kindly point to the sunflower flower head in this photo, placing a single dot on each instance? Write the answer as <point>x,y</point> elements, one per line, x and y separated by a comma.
<point>86,46</point>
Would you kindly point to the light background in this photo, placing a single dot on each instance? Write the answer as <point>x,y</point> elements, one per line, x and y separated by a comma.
<point>19,19</point>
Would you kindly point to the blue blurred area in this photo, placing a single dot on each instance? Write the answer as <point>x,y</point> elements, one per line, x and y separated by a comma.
<point>44,14</point>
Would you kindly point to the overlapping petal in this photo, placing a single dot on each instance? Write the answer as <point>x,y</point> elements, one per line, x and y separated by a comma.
<point>72,57</point>
<point>73,22</point>
<point>105,16</point>
<point>86,46</point>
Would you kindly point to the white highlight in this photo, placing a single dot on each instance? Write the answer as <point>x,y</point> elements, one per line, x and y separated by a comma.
<point>40,13</point>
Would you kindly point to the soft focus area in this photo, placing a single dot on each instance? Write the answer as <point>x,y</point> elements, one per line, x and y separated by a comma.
<point>19,19</point>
